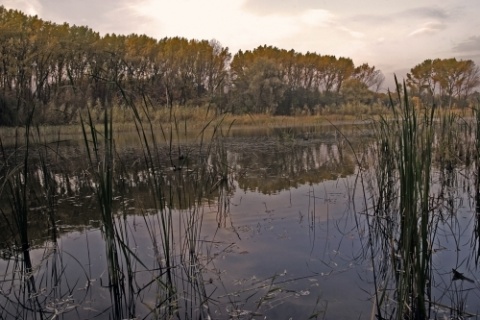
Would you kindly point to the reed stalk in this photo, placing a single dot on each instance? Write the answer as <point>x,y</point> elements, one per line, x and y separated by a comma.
<point>16,186</point>
<point>178,213</point>
<point>101,157</point>
<point>476,235</point>
<point>403,216</point>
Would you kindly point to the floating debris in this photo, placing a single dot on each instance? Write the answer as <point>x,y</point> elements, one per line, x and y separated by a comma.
<point>459,276</point>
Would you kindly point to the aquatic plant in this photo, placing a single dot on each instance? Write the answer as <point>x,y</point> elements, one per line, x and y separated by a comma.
<point>403,219</point>
<point>31,283</point>
<point>476,188</point>
<point>101,158</point>
<point>15,186</point>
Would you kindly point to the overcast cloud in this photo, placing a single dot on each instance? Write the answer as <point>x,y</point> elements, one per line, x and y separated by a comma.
<point>394,36</point>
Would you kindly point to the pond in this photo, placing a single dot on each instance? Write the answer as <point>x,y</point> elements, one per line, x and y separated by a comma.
<point>269,223</point>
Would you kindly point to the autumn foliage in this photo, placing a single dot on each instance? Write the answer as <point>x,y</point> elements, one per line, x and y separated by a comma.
<point>60,70</point>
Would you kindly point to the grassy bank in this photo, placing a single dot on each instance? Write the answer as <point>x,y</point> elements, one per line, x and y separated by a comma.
<point>197,119</point>
<point>182,119</point>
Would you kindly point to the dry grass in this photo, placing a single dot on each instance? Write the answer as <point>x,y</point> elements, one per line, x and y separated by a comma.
<point>197,117</point>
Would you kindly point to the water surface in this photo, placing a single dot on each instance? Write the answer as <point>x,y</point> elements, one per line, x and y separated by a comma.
<point>261,223</point>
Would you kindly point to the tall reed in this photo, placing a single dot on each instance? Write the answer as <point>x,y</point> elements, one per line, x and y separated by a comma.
<point>16,186</point>
<point>100,149</point>
<point>403,219</point>
<point>175,233</point>
<point>476,151</point>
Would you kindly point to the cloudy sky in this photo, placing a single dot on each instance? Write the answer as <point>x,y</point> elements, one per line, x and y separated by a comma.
<point>392,35</point>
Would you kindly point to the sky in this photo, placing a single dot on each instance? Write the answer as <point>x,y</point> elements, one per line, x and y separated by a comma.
<point>393,36</point>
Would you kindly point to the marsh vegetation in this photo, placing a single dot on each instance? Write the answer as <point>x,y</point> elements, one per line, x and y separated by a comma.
<point>162,223</point>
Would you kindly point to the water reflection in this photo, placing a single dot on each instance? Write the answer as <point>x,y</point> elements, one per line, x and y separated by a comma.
<point>222,203</point>
<point>266,166</point>
<point>418,223</point>
<point>258,226</point>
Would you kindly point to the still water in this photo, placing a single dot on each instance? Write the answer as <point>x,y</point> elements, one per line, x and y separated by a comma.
<point>263,224</point>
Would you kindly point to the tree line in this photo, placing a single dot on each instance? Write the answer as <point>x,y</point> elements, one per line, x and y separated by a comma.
<point>60,70</point>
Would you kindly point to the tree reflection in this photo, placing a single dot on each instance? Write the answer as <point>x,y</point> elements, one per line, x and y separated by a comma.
<point>268,165</point>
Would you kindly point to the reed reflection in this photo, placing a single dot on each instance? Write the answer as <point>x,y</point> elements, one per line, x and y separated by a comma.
<point>146,213</point>
<point>418,227</point>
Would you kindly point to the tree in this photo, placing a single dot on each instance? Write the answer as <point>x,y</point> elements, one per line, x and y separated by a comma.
<point>65,68</point>
<point>367,75</point>
<point>356,91</point>
<point>258,89</point>
<point>448,79</point>
<point>421,79</point>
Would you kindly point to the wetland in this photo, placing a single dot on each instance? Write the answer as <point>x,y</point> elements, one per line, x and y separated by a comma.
<point>228,223</point>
